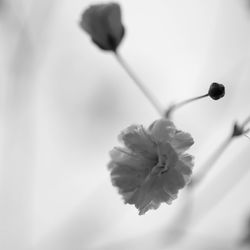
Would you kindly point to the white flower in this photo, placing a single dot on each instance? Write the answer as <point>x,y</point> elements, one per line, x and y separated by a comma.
<point>152,167</point>
<point>103,23</point>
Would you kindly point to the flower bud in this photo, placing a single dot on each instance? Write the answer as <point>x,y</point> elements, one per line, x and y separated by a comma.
<point>103,23</point>
<point>237,130</point>
<point>216,91</point>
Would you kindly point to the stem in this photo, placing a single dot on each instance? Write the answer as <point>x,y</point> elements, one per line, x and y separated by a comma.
<point>180,104</point>
<point>210,162</point>
<point>139,83</point>
<point>247,136</point>
<point>246,122</point>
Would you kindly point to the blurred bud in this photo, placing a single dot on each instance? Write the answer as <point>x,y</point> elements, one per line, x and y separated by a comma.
<point>239,130</point>
<point>103,23</point>
<point>216,91</point>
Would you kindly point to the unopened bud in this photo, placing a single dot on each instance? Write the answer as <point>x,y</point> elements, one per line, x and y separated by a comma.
<point>216,91</point>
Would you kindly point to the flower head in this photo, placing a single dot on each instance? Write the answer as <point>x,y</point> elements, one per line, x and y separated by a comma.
<point>152,166</point>
<point>103,23</point>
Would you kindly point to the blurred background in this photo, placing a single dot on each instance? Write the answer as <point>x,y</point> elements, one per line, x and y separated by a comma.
<point>63,102</point>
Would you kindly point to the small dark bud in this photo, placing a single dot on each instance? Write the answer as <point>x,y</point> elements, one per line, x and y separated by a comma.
<point>216,91</point>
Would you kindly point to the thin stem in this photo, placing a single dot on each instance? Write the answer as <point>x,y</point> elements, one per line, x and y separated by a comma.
<point>180,104</point>
<point>247,136</point>
<point>211,161</point>
<point>246,122</point>
<point>139,83</point>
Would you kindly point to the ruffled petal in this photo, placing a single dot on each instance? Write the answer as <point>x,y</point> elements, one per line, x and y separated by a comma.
<point>162,130</point>
<point>126,157</point>
<point>145,197</point>
<point>152,193</point>
<point>126,178</point>
<point>185,166</point>
<point>160,187</point>
<point>172,181</point>
<point>128,171</point>
<point>182,141</point>
<point>138,140</point>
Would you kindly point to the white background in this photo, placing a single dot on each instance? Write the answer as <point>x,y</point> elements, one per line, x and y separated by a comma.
<point>63,102</point>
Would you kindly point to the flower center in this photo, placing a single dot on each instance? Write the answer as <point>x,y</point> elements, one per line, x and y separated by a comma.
<point>162,163</point>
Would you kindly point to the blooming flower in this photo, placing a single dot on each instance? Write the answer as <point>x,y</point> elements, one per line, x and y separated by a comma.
<point>103,23</point>
<point>152,166</point>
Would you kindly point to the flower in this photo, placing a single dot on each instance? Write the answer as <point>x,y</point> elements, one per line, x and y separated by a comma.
<point>103,23</point>
<point>216,91</point>
<point>152,166</point>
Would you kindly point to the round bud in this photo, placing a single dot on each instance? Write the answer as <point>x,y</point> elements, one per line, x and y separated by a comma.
<point>216,91</point>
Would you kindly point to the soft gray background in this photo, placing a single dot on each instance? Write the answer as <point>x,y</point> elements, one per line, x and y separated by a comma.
<point>63,102</point>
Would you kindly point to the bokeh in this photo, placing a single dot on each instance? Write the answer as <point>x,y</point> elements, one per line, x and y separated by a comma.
<point>63,102</point>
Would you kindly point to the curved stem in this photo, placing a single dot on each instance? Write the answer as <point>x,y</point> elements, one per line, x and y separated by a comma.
<point>180,104</point>
<point>139,84</point>
<point>246,122</point>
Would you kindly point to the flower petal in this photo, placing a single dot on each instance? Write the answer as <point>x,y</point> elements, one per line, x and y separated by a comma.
<point>159,188</point>
<point>128,171</point>
<point>184,166</point>
<point>138,140</point>
<point>182,141</point>
<point>162,130</point>
<point>150,195</point>
<point>126,178</point>
<point>126,157</point>
<point>172,181</point>
<point>145,197</point>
